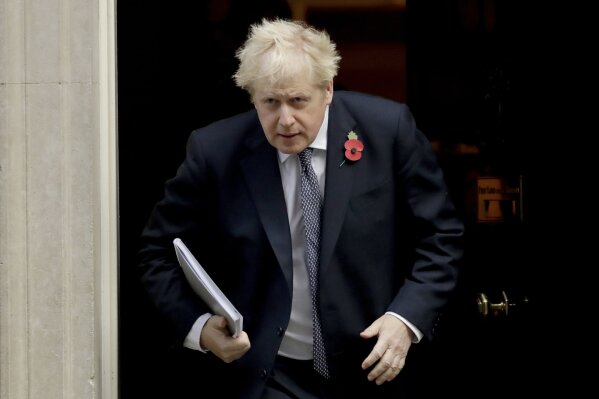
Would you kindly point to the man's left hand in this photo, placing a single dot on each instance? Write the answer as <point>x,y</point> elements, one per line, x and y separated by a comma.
<point>390,351</point>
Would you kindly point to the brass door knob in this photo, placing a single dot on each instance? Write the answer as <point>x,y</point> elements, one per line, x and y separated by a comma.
<point>502,309</point>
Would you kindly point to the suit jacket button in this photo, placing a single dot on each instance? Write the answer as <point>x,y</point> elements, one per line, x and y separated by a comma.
<point>263,374</point>
<point>280,331</point>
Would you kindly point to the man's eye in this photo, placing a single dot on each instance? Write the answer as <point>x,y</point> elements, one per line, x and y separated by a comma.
<point>298,99</point>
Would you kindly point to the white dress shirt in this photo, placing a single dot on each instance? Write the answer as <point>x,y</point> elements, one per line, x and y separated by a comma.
<point>297,341</point>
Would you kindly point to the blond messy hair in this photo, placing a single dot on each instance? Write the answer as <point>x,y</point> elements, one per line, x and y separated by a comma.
<point>278,51</point>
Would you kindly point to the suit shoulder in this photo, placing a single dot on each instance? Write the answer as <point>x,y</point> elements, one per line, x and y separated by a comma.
<point>358,100</point>
<point>374,112</point>
<point>227,130</point>
<point>230,124</point>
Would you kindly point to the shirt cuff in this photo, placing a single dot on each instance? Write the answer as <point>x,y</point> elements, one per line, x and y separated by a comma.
<point>417,333</point>
<point>192,340</point>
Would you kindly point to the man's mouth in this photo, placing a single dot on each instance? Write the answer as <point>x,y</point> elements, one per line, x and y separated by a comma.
<point>288,135</point>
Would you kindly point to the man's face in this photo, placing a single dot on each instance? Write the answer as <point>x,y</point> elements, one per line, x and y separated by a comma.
<point>291,114</point>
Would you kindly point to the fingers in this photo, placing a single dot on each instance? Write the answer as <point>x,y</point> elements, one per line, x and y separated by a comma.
<point>386,371</point>
<point>231,349</point>
<point>238,347</point>
<point>216,338</point>
<point>388,364</point>
<point>372,330</point>
<point>375,355</point>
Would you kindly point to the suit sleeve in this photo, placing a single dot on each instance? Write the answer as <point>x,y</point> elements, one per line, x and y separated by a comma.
<point>436,230</point>
<point>185,203</point>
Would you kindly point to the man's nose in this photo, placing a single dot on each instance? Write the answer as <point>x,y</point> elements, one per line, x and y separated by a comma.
<point>286,116</point>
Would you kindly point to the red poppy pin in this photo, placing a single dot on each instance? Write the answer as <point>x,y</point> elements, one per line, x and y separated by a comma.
<point>353,148</point>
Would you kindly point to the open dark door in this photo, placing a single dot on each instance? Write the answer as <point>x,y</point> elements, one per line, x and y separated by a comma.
<point>474,69</point>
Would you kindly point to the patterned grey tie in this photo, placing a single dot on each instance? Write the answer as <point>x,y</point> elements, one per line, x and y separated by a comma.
<point>311,207</point>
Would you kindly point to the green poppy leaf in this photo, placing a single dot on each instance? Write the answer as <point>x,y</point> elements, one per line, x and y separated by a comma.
<point>352,135</point>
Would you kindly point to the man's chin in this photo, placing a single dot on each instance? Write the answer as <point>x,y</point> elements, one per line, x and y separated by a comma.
<point>290,149</point>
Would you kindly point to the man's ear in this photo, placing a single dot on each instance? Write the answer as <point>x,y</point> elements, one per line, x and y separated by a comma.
<point>329,92</point>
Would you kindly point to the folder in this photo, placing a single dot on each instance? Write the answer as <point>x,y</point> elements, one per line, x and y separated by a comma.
<point>207,289</point>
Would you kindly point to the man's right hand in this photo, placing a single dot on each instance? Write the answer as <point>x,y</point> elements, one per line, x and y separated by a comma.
<point>216,338</point>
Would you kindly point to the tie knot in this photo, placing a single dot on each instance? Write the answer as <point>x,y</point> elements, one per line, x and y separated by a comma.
<point>305,156</point>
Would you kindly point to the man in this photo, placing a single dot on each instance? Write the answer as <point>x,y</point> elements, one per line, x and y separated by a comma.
<point>322,216</point>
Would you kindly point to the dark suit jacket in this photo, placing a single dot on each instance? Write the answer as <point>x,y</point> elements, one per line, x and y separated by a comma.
<point>390,237</point>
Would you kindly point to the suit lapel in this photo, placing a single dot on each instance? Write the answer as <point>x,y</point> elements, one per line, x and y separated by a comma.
<point>260,168</point>
<point>261,171</point>
<point>338,182</point>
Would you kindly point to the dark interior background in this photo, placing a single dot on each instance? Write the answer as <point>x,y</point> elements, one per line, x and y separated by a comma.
<point>475,74</point>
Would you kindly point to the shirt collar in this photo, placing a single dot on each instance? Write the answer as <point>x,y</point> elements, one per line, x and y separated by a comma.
<point>320,142</point>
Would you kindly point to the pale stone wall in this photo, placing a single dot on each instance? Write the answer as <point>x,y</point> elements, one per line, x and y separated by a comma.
<point>50,199</point>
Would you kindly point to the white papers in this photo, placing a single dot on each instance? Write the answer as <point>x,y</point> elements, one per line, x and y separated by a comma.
<point>203,285</point>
